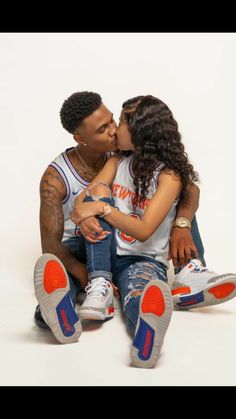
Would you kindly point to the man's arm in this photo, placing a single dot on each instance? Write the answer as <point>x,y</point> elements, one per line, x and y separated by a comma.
<point>52,193</point>
<point>188,207</point>
<point>182,247</point>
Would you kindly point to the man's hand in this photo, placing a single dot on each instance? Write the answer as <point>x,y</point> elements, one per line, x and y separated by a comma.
<point>115,291</point>
<point>182,247</point>
<point>91,230</point>
<point>83,275</point>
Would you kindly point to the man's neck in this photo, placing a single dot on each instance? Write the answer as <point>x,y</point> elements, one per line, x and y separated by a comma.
<point>92,158</point>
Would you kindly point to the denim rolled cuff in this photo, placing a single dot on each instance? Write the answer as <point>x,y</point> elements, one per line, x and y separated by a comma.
<point>96,274</point>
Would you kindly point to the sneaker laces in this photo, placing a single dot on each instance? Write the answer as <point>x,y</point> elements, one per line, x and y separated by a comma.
<point>97,288</point>
<point>198,267</point>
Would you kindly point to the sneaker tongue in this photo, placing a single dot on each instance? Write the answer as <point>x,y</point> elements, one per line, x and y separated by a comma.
<point>196,263</point>
<point>98,281</point>
<point>98,287</point>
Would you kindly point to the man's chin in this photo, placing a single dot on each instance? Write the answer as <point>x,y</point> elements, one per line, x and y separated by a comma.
<point>113,147</point>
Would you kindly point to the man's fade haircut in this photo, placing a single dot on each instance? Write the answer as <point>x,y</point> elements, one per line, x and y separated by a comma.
<point>77,107</point>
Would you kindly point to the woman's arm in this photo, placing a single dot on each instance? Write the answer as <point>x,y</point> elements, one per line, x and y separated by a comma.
<point>106,175</point>
<point>168,190</point>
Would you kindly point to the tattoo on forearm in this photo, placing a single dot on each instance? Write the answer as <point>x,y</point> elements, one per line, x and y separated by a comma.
<point>52,224</point>
<point>51,212</point>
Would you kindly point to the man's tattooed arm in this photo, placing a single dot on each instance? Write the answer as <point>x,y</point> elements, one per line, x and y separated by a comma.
<point>52,193</point>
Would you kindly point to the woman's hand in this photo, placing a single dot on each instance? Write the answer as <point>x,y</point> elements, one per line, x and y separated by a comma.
<point>90,227</point>
<point>86,210</point>
<point>92,231</point>
<point>83,215</point>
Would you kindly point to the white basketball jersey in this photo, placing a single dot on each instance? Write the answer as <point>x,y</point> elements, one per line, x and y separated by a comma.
<point>157,245</point>
<point>75,184</point>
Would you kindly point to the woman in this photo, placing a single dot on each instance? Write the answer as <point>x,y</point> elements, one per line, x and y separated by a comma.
<point>146,182</point>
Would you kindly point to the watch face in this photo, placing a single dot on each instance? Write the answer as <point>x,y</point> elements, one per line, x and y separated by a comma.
<point>182,222</point>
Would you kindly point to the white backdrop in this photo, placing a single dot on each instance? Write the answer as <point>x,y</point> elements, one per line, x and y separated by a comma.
<point>194,73</point>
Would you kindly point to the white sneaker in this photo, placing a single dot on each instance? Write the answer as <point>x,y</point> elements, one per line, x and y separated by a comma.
<point>98,304</point>
<point>155,311</point>
<point>52,289</point>
<point>197,286</point>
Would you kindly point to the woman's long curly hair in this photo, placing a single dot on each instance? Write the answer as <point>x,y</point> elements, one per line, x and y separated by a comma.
<point>155,135</point>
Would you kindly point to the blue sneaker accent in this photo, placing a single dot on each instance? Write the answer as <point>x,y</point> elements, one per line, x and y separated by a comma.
<point>67,315</point>
<point>143,340</point>
<point>191,299</point>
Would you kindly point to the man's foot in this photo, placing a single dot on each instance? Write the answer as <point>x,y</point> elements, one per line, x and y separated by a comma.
<point>38,319</point>
<point>52,289</point>
<point>98,304</point>
<point>155,311</point>
<point>197,286</point>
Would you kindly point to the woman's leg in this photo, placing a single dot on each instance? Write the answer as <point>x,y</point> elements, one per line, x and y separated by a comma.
<point>133,274</point>
<point>98,304</point>
<point>147,306</point>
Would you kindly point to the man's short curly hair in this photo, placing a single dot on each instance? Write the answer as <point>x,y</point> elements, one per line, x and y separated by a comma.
<point>77,107</point>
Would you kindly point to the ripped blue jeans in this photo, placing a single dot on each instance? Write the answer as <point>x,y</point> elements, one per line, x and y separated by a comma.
<point>131,275</point>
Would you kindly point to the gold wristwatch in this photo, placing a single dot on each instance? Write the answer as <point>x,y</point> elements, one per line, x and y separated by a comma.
<point>182,222</point>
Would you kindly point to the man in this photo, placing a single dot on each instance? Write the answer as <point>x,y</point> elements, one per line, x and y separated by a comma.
<point>89,121</point>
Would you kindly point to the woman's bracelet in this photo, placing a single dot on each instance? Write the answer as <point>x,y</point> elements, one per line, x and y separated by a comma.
<point>106,210</point>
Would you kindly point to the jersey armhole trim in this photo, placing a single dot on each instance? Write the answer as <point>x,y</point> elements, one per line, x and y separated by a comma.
<point>64,178</point>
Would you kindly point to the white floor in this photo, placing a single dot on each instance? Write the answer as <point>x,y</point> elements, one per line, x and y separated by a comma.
<point>199,347</point>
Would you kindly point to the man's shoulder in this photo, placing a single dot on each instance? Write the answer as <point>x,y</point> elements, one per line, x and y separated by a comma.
<point>52,180</point>
<point>56,164</point>
<point>62,156</point>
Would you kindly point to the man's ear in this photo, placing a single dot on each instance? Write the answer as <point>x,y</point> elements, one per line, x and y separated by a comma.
<point>79,139</point>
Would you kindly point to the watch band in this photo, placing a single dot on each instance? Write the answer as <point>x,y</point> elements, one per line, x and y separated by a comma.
<point>106,210</point>
<point>182,222</point>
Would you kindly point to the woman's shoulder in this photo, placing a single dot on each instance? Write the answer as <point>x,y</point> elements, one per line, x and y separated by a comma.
<point>169,175</point>
<point>118,158</point>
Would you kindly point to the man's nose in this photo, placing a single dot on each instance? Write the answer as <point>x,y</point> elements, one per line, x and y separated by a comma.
<point>113,129</point>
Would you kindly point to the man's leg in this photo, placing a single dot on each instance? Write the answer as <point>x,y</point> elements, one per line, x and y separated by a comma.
<point>147,306</point>
<point>197,240</point>
<point>75,289</point>
<point>77,247</point>
<point>197,286</point>
<point>52,290</point>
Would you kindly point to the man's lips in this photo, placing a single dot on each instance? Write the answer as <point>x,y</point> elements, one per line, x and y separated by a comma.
<point>114,141</point>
